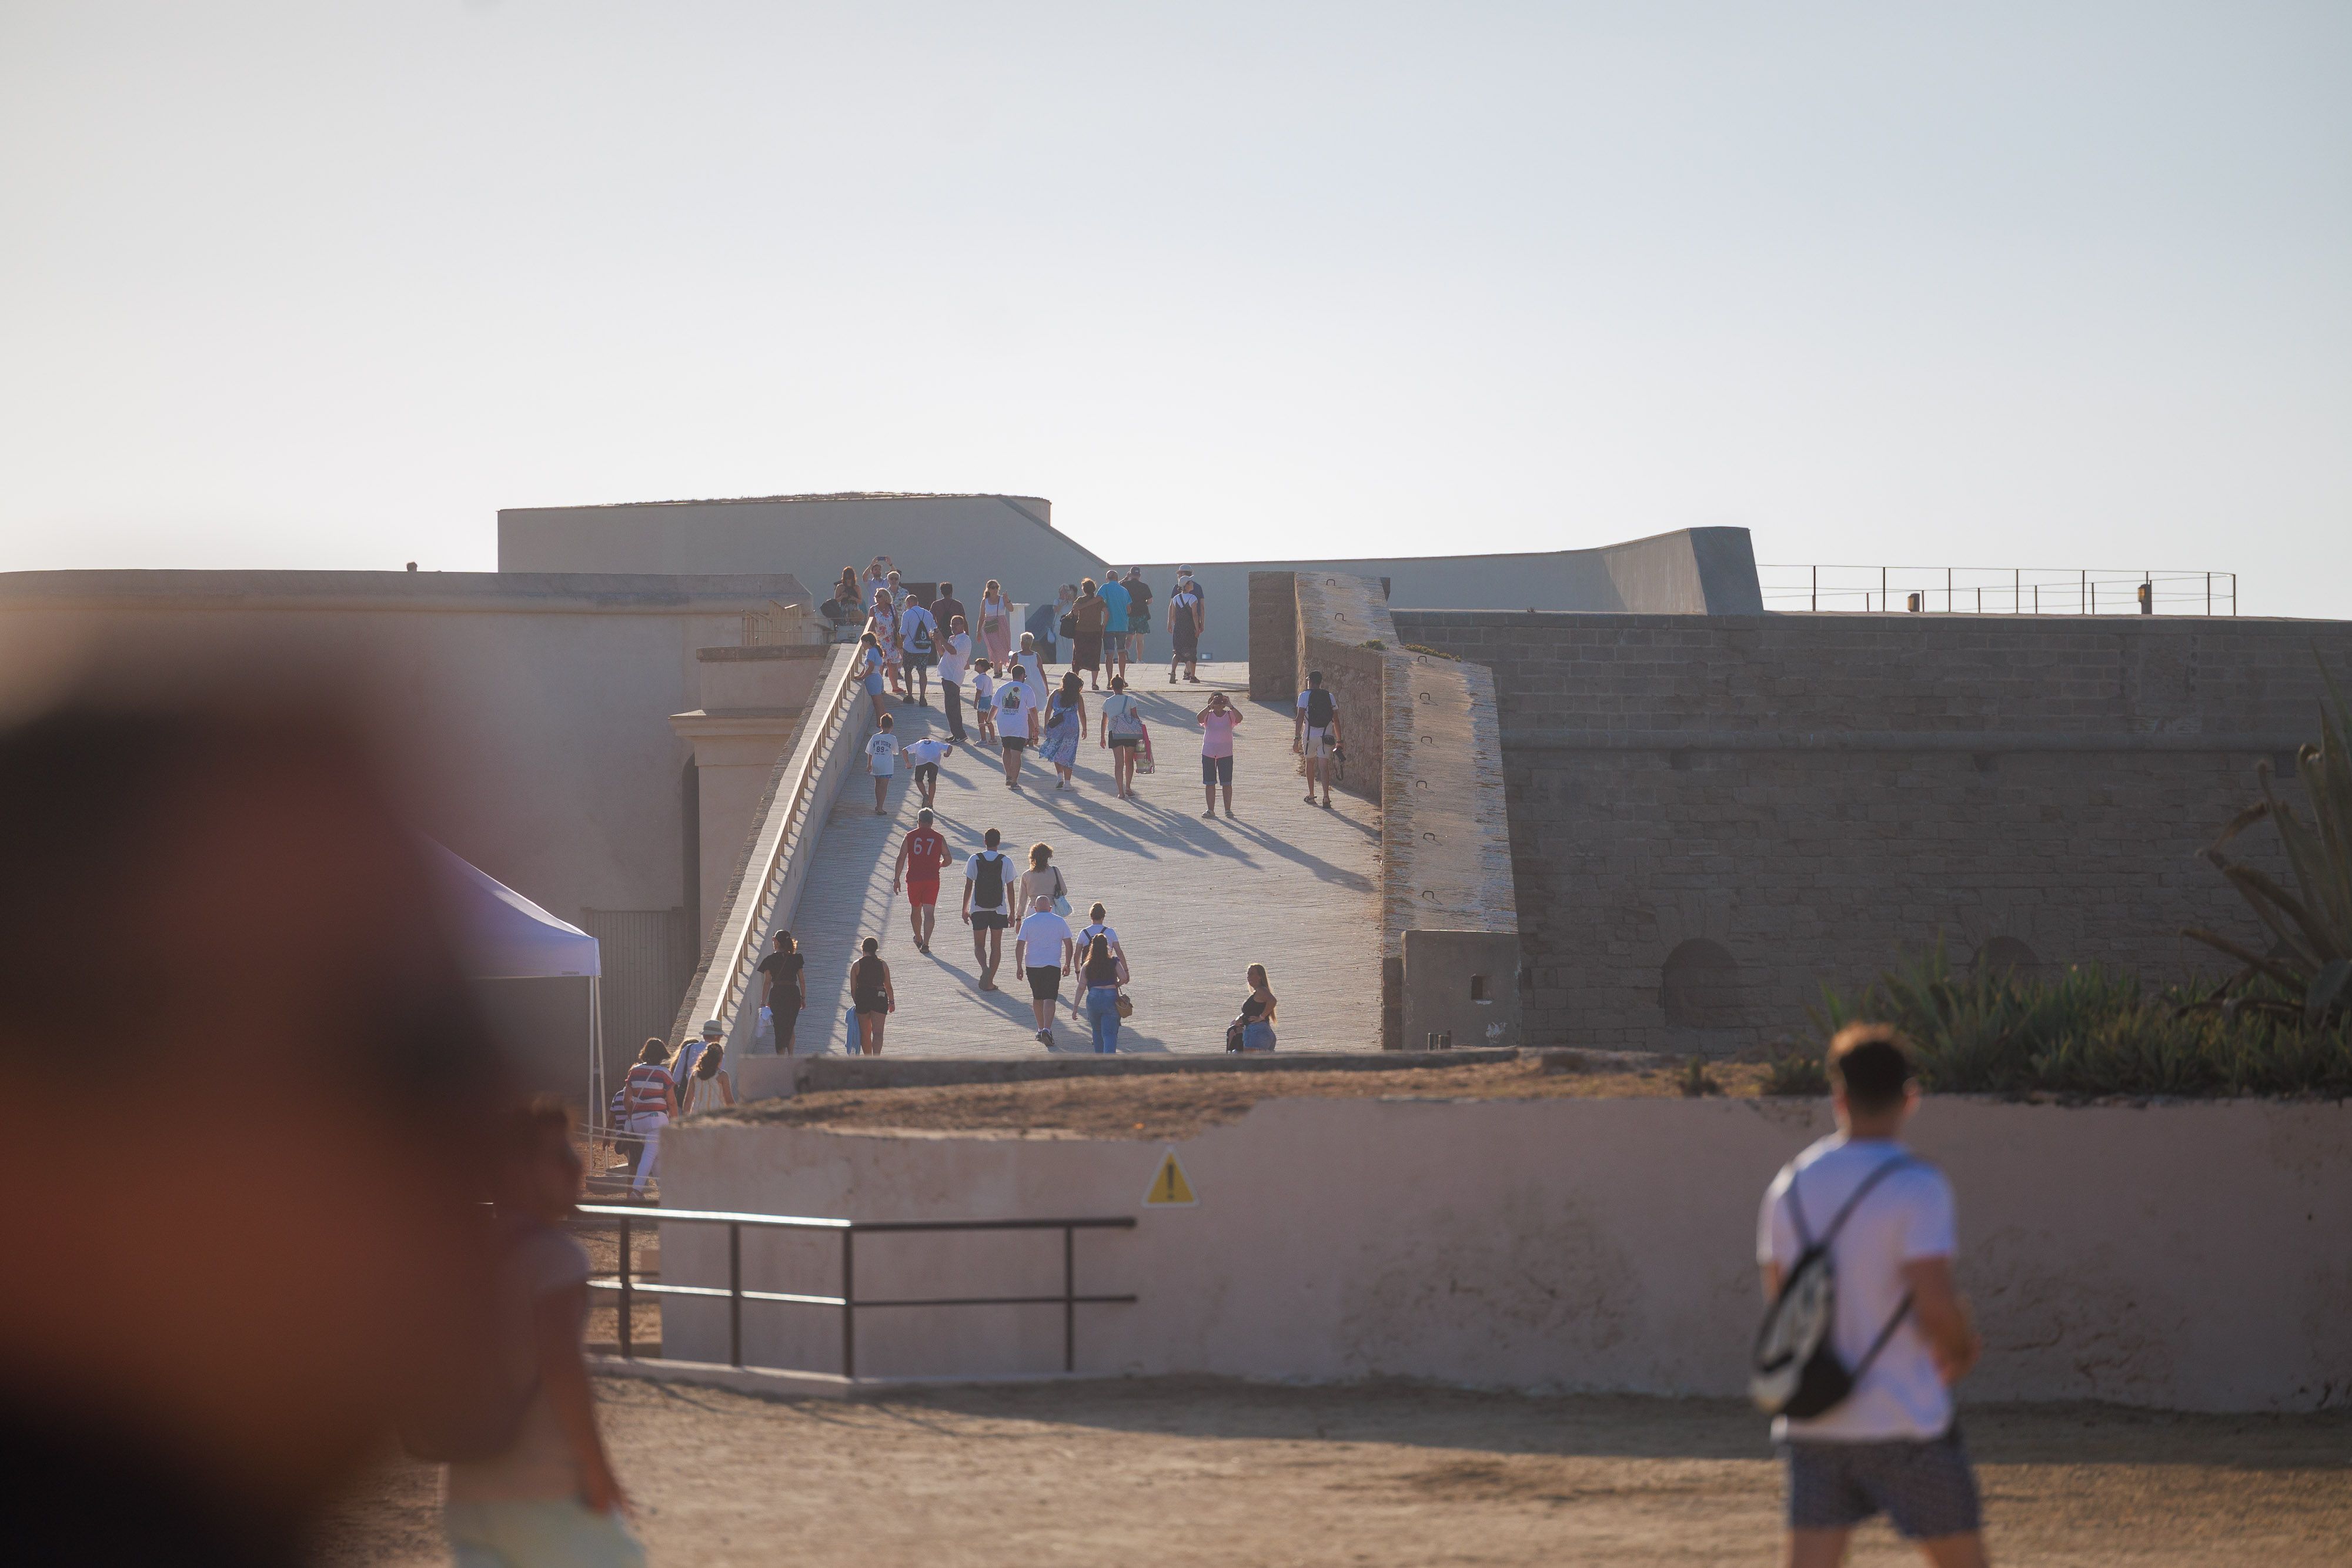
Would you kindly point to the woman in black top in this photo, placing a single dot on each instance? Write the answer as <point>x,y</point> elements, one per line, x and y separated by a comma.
<point>871,994</point>
<point>787,990</point>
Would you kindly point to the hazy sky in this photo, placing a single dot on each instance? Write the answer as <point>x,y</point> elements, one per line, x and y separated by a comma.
<point>325,285</point>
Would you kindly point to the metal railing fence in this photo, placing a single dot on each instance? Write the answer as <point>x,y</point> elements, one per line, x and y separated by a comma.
<point>848,1302</point>
<point>1997,590</point>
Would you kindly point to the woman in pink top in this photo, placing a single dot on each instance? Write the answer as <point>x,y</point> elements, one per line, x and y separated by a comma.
<point>1217,721</point>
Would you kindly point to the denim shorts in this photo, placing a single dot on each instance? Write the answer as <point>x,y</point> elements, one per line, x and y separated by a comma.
<point>874,684</point>
<point>1217,770</point>
<point>1926,1488</point>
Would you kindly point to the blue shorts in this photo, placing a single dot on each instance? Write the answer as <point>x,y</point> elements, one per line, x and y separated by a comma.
<point>874,684</point>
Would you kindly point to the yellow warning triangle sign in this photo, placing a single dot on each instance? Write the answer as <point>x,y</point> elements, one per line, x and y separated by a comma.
<point>1170,1189</point>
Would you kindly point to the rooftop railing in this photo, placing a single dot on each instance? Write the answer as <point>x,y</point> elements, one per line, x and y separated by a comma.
<point>1997,590</point>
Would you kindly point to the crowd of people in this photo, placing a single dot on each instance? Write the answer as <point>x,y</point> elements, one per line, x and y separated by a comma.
<point>997,672</point>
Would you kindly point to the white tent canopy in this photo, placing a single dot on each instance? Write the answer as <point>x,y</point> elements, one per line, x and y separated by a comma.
<point>501,935</point>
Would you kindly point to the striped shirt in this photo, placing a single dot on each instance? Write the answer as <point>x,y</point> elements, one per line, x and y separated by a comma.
<point>644,1085</point>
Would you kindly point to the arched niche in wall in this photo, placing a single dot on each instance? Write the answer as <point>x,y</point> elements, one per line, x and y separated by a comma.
<point>1699,987</point>
<point>2007,955</point>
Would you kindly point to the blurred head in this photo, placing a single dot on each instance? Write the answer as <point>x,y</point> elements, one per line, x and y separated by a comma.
<point>992,589</point>
<point>655,1049</point>
<point>712,1029</point>
<point>707,1064</point>
<point>947,591</point>
<point>1039,854</point>
<point>1098,950</point>
<point>991,839</point>
<point>869,947</point>
<point>1085,587</point>
<point>1119,683</point>
<point>1256,978</point>
<point>1314,677</point>
<point>544,1174</point>
<point>955,623</point>
<point>783,941</point>
<point>1098,913</point>
<point>923,818</point>
<point>262,1324</point>
<point>885,721</point>
<point>1042,905</point>
<point>1870,1074</point>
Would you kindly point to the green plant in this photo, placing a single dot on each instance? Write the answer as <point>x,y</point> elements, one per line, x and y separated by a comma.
<point>2093,1032</point>
<point>1792,1070</point>
<point>2312,958</point>
<point>1697,1081</point>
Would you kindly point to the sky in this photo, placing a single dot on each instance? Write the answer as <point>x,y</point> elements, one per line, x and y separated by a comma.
<point>2046,285</point>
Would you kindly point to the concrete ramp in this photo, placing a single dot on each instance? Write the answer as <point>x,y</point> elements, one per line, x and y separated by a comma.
<point>1195,902</point>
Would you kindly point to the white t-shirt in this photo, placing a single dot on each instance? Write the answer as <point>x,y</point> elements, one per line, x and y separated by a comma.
<point>1014,705</point>
<point>1045,931</point>
<point>956,649</point>
<point>1122,714</point>
<point>1088,932</point>
<point>884,749</point>
<point>1906,1217</point>
<point>911,617</point>
<point>922,751</point>
<point>983,687</point>
<point>1004,905</point>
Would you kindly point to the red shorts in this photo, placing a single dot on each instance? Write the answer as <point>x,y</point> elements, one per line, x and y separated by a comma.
<point>921,894</point>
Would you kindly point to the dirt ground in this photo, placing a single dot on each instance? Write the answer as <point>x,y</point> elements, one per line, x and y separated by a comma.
<point>1177,1105</point>
<point>1168,1473</point>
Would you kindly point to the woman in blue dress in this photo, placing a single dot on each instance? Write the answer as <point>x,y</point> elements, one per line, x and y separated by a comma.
<point>1066,724</point>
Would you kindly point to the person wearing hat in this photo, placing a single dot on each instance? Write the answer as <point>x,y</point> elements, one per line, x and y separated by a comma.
<point>712,1032</point>
<point>1187,619</point>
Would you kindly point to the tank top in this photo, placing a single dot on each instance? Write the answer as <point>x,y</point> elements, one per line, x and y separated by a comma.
<point>866,985</point>
<point>1102,971</point>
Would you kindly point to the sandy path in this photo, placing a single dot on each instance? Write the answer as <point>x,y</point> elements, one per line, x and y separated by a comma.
<point>1170,1473</point>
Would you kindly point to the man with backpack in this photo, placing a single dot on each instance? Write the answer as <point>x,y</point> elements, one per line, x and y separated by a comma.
<point>988,905</point>
<point>1316,732</point>
<point>1866,1332</point>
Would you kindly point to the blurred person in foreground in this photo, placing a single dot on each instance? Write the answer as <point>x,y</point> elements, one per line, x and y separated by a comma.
<point>266,1251</point>
<point>544,1496</point>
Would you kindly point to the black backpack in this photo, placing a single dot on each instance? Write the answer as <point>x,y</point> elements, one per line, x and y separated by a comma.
<point>990,886</point>
<point>1321,706</point>
<point>1796,1371</point>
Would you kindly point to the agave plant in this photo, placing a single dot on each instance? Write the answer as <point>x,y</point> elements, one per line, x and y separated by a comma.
<point>2312,957</point>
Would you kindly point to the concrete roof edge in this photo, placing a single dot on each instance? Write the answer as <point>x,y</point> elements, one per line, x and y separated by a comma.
<point>1338,562</point>
<point>1006,496</point>
<point>400,588</point>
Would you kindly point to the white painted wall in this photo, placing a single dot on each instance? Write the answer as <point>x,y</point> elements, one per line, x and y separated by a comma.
<point>2190,1256</point>
<point>534,711</point>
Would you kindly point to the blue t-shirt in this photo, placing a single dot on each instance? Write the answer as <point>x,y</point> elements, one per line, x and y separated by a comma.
<point>1114,594</point>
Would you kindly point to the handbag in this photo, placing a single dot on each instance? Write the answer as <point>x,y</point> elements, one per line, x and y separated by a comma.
<point>1126,1006</point>
<point>1235,1033</point>
<point>1066,627</point>
<point>1061,893</point>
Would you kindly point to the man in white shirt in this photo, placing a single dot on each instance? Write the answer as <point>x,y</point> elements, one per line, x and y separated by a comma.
<point>881,760</point>
<point>1016,721</point>
<point>1314,732</point>
<point>919,637</point>
<point>988,883</point>
<point>1041,931</point>
<point>1892,1445</point>
<point>926,755</point>
<point>1095,926</point>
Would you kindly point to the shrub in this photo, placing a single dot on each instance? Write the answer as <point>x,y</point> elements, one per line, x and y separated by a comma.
<point>1792,1070</point>
<point>2093,1032</point>
<point>1697,1081</point>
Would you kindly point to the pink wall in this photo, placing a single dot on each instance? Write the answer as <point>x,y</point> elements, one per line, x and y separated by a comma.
<point>2189,1257</point>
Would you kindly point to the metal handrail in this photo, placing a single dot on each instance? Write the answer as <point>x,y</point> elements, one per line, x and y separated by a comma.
<point>847,1300</point>
<point>735,955</point>
<point>2182,590</point>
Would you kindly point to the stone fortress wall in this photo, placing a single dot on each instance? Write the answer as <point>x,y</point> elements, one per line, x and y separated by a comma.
<point>1712,817</point>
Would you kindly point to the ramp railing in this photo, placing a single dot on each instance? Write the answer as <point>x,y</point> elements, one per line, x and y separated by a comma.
<point>848,1303</point>
<point>783,841</point>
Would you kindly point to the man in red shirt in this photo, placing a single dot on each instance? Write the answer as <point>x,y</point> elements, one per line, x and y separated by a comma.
<point>922,853</point>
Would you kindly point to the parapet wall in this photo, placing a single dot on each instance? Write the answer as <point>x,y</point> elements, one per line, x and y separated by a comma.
<point>1423,743</point>
<point>2183,1257</point>
<point>1712,818</point>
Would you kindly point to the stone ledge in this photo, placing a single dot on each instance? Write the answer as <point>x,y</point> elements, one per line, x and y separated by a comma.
<point>772,1078</point>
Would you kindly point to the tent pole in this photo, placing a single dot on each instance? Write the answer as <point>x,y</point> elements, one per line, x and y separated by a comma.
<point>595,1056</point>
